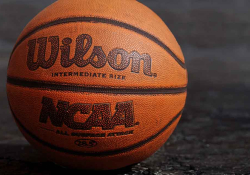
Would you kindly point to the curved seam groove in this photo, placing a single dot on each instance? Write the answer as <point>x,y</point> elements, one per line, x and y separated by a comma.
<point>76,88</point>
<point>105,21</point>
<point>98,154</point>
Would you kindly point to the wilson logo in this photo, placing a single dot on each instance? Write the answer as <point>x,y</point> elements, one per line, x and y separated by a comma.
<point>98,59</point>
<point>96,115</point>
<point>85,143</point>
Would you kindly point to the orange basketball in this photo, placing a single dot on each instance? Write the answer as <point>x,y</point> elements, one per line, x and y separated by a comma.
<point>97,84</point>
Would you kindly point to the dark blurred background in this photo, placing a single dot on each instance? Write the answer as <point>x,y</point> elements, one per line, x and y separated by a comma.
<point>213,135</point>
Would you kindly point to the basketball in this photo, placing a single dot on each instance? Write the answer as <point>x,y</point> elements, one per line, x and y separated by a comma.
<point>97,84</point>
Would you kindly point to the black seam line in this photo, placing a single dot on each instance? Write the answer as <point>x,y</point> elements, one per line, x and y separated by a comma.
<point>81,89</point>
<point>105,21</point>
<point>98,154</point>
